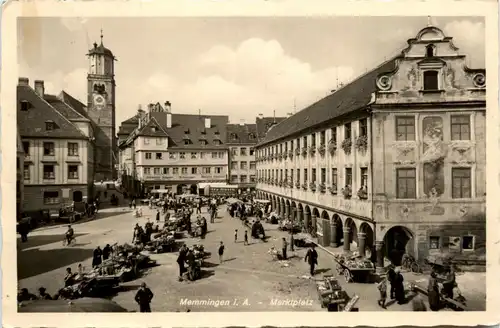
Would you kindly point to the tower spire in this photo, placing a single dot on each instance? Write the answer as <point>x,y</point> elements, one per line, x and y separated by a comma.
<point>102,36</point>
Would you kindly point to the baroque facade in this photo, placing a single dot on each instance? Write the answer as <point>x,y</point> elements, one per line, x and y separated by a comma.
<point>173,151</point>
<point>393,162</point>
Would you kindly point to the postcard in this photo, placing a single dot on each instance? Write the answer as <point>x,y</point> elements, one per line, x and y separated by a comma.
<point>249,163</point>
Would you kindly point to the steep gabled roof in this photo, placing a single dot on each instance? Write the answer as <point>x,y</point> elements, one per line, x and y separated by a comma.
<point>74,103</point>
<point>32,123</point>
<point>195,125</point>
<point>353,96</point>
<point>129,125</point>
<point>152,129</point>
<point>241,134</point>
<point>264,123</point>
<point>63,108</point>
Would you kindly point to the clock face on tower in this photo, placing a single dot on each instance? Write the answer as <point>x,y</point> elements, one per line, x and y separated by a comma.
<point>99,102</point>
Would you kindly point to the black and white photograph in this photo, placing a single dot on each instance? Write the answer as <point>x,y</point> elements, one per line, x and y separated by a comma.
<point>193,164</point>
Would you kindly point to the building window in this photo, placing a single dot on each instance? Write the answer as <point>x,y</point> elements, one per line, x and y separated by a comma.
<point>221,154</point>
<point>234,165</point>
<point>305,176</point>
<point>348,177</point>
<point>171,155</point>
<point>48,149</point>
<point>234,151</point>
<point>347,131</point>
<point>252,179</point>
<point>468,243</point>
<point>434,242</point>
<point>252,151</point>
<point>313,176</point>
<point>194,170</point>
<point>405,128</point>
<point>243,165</point>
<point>234,178</point>
<point>243,151</point>
<point>202,155</point>
<point>146,141</point>
<point>24,105</point>
<point>429,51</point>
<point>364,177</point>
<point>234,136</point>
<point>460,127</point>
<point>406,183</point>
<point>243,179</point>
<point>334,179</point>
<point>156,171</point>
<point>166,170</point>
<point>50,197</point>
<point>431,81</point>
<point>72,149</point>
<point>175,170</point>
<point>182,155</point>
<point>304,141</point>
<point>187,142</point>
<point>206,170</point>
<point>148,155</point>
<point>363,127</point>
<point>214,155</point>
<point>461,182</point>
<point>147,170</point>
<point>313,139</point>
<point>26,147</point>
<point>26,172</point>
<point>72,171</point>
<point>49,126</point>
<point>218,170</point>
<point>217,142</point>
<point>49,172</point>
<point>159,141</point>
<point>184,170</point>
<point>159,155</point>
<point>323,176</point>
<point>252,166</point>
<point>193,155</point>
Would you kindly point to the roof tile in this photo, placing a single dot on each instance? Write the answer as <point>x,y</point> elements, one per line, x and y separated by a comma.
<point>241,134</point>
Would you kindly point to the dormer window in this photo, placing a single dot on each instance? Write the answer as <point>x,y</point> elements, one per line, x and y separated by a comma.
<point>187,142</point>
<point>234,136</point>
<point>429,50</point>
<point>251,136</point>
<point>49,126</point>
<point>218,142</point>
<point>25,105</point>
<point>153,128</point>
<point>204,142</point>
<point>431,80</point>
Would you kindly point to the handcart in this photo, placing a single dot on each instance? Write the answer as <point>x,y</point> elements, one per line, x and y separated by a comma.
<point>331,295</point>
<point>355,270</point>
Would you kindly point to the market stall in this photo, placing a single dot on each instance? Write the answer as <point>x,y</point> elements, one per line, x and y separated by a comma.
<point>354,268</point>
<point>331,295</point>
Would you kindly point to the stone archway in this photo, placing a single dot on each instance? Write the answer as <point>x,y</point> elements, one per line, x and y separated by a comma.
<point>366,240</point>
<point>287,209</point>
<point>300,214</point>
<point>77,196</point>
<point>193,189</point>
<point>337,231</point>
<point>323,229</point>
<point>293,211</point>
<point>398,241</point>
<point>350,234</point>
<point>314,222</point>
<point>181,188</point>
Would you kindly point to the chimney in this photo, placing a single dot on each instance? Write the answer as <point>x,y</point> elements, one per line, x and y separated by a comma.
<point>150,107</point>
<point>168,106</point>
<point>242,122</point>
<point>169,120</point>
<point>261,115</point>
<point>288,115</point>
<point>208,123</point>
<point>39,88</point>
<point>23,81</point>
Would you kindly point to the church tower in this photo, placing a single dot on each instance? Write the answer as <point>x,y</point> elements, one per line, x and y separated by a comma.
<point>101,109</point>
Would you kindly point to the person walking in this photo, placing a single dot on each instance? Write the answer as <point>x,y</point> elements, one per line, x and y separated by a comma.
<point>433,292</point>
<point>283,248</point>
<point>399,287</point>
<point>246,238</point>
<point>221,252</point>
<point>143,298</point>
<point>157,216</point>
<point>391,277</point>
<point>312,259</point>
<point>181,259</point>
<point>382,288</point>
<point>236,235</point>
<point>106,251</point>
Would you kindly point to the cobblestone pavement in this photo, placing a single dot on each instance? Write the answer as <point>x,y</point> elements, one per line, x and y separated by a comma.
<point>248,280</point>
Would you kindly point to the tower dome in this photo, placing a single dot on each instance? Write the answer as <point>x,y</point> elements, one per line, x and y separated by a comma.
<point>100,49</point>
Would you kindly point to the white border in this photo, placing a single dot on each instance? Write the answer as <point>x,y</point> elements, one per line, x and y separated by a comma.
<point>13,10</point>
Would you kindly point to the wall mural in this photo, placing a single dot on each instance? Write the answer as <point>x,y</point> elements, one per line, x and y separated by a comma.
<point>434,153</point>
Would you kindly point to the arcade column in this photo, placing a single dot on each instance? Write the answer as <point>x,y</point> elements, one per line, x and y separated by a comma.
<point>281,209</point>
<point>379,248</point>
<point>361,243</point>
<point>347,240</point>
<point>294,214</point>
<point>307,217</point>
<point>333,234</point>
<point>287,211</point>
<point>273,205</point>
<point>299,216</point>
<point>314,227</point>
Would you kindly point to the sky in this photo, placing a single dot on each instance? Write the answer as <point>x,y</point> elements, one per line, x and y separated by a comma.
<point>233,66</point>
